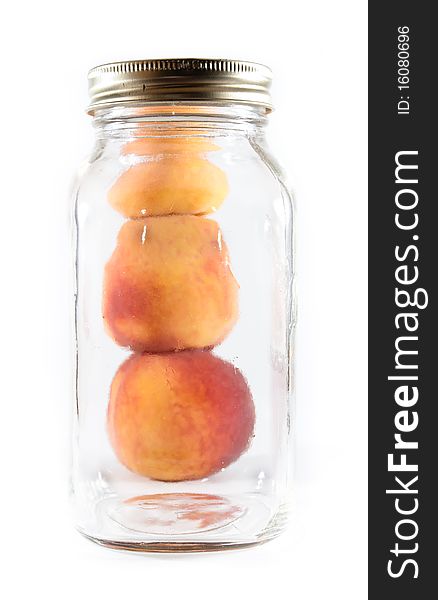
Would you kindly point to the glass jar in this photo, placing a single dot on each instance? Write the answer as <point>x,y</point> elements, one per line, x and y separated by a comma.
<point>183,311</point>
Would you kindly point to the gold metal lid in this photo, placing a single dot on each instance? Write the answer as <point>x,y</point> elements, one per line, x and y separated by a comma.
<point>179,80</point>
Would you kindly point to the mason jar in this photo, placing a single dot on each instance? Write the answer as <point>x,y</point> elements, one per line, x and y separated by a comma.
<point>184,311</point>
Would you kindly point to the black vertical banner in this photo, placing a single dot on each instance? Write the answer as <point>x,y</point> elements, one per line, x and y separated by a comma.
<point>403,307</point>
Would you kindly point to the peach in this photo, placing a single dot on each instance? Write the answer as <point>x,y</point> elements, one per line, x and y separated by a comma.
<point>174,177</point>
<point>158,147</point>
<point>179,416</point>
<point>169,286</point>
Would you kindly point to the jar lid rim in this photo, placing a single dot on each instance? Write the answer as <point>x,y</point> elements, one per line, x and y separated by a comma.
<point>180,80</point>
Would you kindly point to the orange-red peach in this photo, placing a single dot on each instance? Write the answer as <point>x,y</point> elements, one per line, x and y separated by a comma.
<point>179,416</point>
<point>169,286</point>
<point>174,177</point>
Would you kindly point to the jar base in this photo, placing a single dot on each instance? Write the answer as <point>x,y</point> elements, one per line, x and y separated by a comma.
<point>184,522</point>
<point>175,514</point>
<point>172,547</point>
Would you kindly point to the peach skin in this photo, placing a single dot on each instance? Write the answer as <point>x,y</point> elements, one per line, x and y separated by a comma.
<point>169,286</point>
<point>174,177</point>
<point>179,416</point>
<point>171,146</point>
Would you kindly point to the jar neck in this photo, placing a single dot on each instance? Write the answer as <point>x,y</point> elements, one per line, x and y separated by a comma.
<point>170,119</point>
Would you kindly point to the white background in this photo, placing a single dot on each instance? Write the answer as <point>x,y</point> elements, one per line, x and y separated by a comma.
<point>317,50</point>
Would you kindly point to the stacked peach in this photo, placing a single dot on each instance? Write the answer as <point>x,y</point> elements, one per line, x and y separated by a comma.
<point>176,411</point>
<point>168,285</point>
<point>174,177</point>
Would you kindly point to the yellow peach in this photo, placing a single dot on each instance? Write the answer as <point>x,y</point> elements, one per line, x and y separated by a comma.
<point>156,147</point>
<point>174,177</point>
<point>179,416</point>
<point>169,286</point>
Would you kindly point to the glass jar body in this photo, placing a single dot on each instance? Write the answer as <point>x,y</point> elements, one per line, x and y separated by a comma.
<point>184,326</point>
